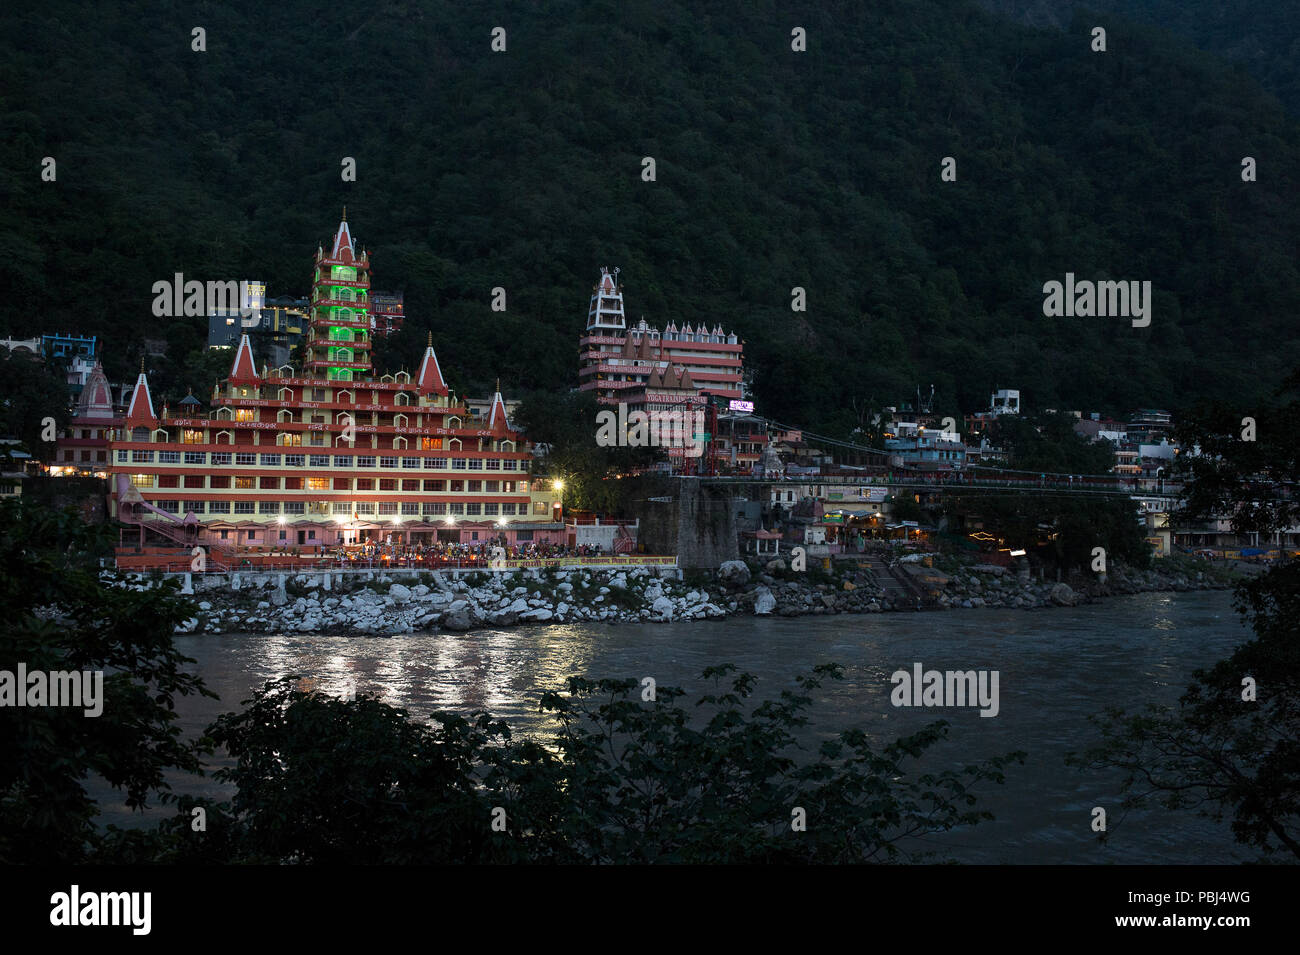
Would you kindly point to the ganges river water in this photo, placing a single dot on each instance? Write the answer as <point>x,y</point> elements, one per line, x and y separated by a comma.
<point>1056,668</point>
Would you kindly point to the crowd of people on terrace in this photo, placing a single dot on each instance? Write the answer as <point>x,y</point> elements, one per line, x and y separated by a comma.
<point>472,552</point>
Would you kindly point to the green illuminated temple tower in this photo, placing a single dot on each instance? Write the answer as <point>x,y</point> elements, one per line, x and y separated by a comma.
<point>339,344</point>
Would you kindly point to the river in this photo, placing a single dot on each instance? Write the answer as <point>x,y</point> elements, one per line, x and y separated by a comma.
<point>1057,667</point>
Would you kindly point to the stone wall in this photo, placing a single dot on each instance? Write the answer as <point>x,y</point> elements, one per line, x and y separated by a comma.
<point>680,516</point>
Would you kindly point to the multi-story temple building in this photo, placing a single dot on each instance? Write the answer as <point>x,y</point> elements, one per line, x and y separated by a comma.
<point>83,448</point>
<point>647,368</point>
<point>329,454</point>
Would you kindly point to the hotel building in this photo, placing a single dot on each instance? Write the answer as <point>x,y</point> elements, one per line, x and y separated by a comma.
<point>386,313</point>
<point>329,454</point>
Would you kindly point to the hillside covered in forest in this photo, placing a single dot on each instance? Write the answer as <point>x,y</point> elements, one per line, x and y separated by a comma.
<point>774,169</point>
<point>1262,36</point>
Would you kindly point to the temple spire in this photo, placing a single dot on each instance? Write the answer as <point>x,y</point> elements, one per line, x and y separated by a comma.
<point>243,370</point>
<point>140,412</point>
<point>343,240</point>
<point>338,347</point>
<point>430,380</point>
<point>606,310</point>
<point>498,423</point>
<point>96,398</point>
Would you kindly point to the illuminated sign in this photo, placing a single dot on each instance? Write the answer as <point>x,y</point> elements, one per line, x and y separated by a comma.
<point>741,405</point>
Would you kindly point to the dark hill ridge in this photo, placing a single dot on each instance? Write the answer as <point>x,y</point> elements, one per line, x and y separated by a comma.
<point>775,169</point>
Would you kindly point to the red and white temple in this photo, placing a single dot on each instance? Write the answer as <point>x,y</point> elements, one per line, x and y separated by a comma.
<point>330,454</point>
<point>644,367</point>
<point>83,448</point>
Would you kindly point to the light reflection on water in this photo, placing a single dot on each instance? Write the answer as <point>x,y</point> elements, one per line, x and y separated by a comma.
<point>1056,666</point>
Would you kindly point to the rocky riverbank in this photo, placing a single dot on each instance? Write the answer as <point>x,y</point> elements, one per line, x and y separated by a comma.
<point>401,602</point>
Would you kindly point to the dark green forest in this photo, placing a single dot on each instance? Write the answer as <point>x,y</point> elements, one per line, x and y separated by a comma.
<point>775,169</point>
<point>1262,36</point>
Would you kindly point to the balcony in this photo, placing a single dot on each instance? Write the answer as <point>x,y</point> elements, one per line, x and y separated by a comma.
<point>321,322</point>
<point>325,261</point>
<point>336,363</point>
<point>360,304</point>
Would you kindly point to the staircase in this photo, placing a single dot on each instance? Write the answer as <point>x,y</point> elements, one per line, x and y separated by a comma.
<point>624,542</point>
<point>900,590</point>
<point>218,557</point>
